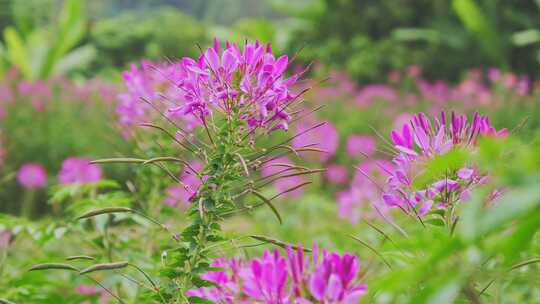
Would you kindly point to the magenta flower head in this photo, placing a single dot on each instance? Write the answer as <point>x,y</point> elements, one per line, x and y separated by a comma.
<point>296,278</point>
<point>246,81</point>
<point>79,170</point>
<point>32,176</point>
<point>333,279</point>
<point>423,139</point>
<point>265,279</point>
<point>227,282</point>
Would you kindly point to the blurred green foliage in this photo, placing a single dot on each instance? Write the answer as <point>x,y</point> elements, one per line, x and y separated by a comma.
<point>42,51</point>
<point>152,34</point>
<point>370,38</point>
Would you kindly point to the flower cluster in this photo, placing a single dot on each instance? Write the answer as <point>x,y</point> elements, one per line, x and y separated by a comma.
<point>249,82</point>
<point>325,278</point>
<point>423,139</point>
<point>79,170</point>
<point>32,176</point>
<point>74,170</point>
<point>180,194</point>
<point>363,198</point>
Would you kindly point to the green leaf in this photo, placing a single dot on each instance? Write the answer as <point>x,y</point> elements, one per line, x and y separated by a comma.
<point>435,222</point>
<point>476,22</point>
<point>445,294</point>
<point>513,205</point>
<point>526,37</point>
<point>16,50</point>
<point>438,167</point>
<point>416,34</point>
<point>79,57</point>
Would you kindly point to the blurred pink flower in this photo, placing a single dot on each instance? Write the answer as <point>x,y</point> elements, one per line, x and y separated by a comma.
<point>375,92</point>
<point>363,196</point>
<point>324,137</point>
<point>509,80</point>
<point>336,174</point>
<point>414,71</point>
<point>360,145</point>
<point>494,74</point>
<point>280,167</point>
<point>131,108</point>
<point>394,76</point>
<point>86,290</point>
<point>89,290</point>
<point>437,91</point>
<point>38,92</point>
<point>5,238</point>
<point>79,170</point>
<point>32,176</point>
<point>179,195</point>
<point>5,97</point>
<point>401,120</point>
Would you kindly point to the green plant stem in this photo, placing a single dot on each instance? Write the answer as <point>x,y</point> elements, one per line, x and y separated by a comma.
<point>27,207</point>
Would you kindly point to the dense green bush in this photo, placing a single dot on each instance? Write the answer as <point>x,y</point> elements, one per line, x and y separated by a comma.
<point>154,34</point>
<point>369,38</point>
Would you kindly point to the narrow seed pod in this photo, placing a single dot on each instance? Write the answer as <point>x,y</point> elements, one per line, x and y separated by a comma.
<point>104,266</point>
<point>269,204</point>
<point>4,301</point>
<point>105,211</point>
<point>279,243</point>
<point>80,257</point>
<point>47,266</point>
<point>120,160</point>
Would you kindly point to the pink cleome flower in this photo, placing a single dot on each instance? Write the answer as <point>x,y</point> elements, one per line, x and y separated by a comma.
<point>79,170</point>
<point>281,167</point>
<point>249,82</point>
<point>179,195</point>
<point>32,176</point>
<point>320,135</point>
<point>423,139</point>
<point>360,145</point>
<point>326,278</point>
